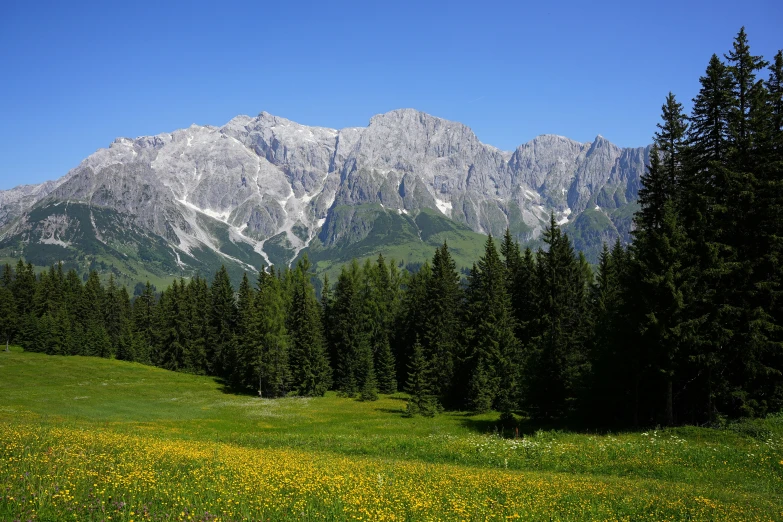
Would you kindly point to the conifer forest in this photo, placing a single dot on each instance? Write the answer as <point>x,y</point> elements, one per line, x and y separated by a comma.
<point>684,325</point>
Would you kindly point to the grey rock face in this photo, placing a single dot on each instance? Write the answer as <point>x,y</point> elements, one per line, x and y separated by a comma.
<point>265,176</point>
<point>15,201</point>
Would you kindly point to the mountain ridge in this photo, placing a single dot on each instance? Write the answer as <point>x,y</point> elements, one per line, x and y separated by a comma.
<point>266,183</point>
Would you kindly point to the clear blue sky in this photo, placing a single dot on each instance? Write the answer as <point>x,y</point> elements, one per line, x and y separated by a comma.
<point>74,76</point>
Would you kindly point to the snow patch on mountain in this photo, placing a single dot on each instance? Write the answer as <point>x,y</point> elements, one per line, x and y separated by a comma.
<point>444,206</point>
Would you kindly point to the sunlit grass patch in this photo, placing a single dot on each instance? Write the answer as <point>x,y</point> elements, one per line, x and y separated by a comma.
<point>129,452</point>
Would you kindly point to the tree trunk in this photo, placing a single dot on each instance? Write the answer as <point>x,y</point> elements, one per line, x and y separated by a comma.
<point>710,407</point>
<point>669,402</point>
<point>6,345</point>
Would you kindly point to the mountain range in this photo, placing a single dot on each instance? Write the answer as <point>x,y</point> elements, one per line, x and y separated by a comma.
<point>265,190</point>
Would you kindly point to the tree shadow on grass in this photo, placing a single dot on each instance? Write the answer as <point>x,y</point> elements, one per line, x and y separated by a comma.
<point>391,410</point>
<point>518,428</point>
<point>229,389</point>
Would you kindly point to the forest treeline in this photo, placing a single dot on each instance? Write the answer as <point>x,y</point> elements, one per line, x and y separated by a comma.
<point>684,325</point>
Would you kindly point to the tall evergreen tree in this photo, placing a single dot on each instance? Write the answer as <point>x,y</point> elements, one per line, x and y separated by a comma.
<point>350,342</point>
<point>196,314</point>
<point>555,369</point>
<point>411,323</point>
<point>495,350</point>
<point>269,358</point>
<point>144,314</point>
<point>8,316</point>
<point>244,334</point>
<point>443,302</point>
<point>222,321</point>
<point>671,141</point>
<point>309,362</point>
<point>421,401</point>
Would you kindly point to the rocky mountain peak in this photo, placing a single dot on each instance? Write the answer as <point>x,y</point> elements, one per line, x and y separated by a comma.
<point>266,185</point>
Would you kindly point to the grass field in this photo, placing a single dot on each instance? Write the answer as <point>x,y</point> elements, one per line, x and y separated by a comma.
<point>95,439</point>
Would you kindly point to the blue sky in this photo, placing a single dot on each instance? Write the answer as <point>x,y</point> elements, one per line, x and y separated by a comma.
<point>75,75</point>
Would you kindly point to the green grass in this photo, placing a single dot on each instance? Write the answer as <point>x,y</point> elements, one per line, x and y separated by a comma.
<point>401,237</point>
<point>734,473</point>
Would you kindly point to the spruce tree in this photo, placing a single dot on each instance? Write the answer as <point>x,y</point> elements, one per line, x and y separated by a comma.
<point>126,344</point>
<point>244,335</point>
<point>524,301</point>
<point>7,280</point>
<point>349,337</point>
<point>222,321</point>
<point>495,350</point>
<point>196,315</point>
<point>443,303</point>
<point>421,401</point>
<point>555,367</point>
<point>742,68</point>
<point>670,140</point>
<point>703,210</point>
<point>311,375</point>
<point>369,390</point>
<point>269,358</point>
<point>8,316</point>
<point>113,312</point>
<point>144,314</point>
<point>24,288</point>
<point>606,404</point>
<point>380,303</point>
<point>387,382</point>
<point>170,329</point>
<point>412,322</point>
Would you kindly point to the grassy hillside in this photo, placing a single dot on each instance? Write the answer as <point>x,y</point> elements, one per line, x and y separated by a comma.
<point>89,439</point>
<point>94,238</point>
<point>402,237</point>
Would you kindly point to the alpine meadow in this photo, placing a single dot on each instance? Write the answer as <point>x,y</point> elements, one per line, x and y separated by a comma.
<point>267,321</point>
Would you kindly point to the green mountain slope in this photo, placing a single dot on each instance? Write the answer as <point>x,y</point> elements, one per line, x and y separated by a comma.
<point>368,230</point>
<point>87,238</point>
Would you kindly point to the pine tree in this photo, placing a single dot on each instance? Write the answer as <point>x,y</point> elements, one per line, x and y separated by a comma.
<point>113,312</point>
<point>126,343</point>
<point>380,303</point>
<point>703,211</point>
<point>606,392</point>
<point>8,316</point>
<point>555,367</point>
<point>663,297</point>
<point>421,401</point>
<point>775,88</point>
<point>349,337</point>
<point>222,321</point>
<point>170,329</point>
<point>742,68</point>
<point>412,321</point>
<point>196,315</point>
<point>512,257</point>
<point>655,192</point>
<point>369,390</point>
<point>495,350</point>
<point>708,130</point>
<point>24,288</point>
<point>524,301</point>
<point>7,280</point>
<point>444,298</point>
<point>311,375</point>
<point>269,359</point>
<point>144,314</point>
<point>387,382</point>
<point>670,140</point>
<point>244,334</point>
